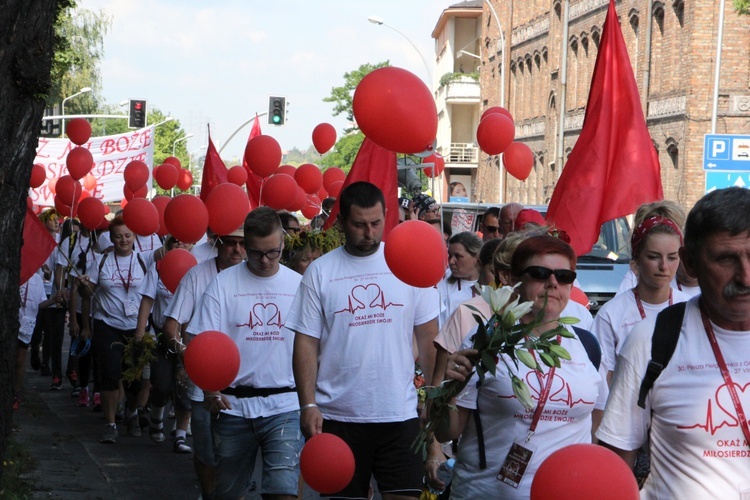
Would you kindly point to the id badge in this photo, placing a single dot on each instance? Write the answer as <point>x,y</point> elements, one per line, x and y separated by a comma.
<point>516,463</point>
<point>131,308</point>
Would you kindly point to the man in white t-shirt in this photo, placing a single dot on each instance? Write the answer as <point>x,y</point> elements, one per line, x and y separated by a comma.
<point>696,412</point>
<point>353,359</point>
<point>259,410</point>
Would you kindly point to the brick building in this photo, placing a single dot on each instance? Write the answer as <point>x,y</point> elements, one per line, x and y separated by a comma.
<point>672,48</point>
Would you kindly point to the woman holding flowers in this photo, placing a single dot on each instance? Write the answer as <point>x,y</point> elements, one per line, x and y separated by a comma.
<point>510,421</point>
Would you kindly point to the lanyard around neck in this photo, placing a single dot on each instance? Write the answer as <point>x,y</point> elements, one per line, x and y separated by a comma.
<point>640,304</point>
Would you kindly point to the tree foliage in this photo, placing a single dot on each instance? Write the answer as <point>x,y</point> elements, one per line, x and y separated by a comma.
<point>344,95</point>
<point>742,7</point>
<point>344,152</point>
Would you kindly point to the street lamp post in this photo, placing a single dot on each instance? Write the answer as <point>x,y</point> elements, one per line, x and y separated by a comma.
<point>380,22</point>
<point>501,174</point>
<point>183,138</point>
<point>62,122</point>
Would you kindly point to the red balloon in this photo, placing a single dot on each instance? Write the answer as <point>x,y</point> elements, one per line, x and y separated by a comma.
<point>312,207</point>
<point>38,175</point>
<point>136,175</point>
<point>495,133</point>
<point>263,155</point>
<point>141,217</point>
<point>326,463</point>
<point>173,266</point>
<point>105,223</point>
<point>309,178</point>
<point>61,207</point>
<point>123,203</point>
<point>586,471</point>
<point>141,192</point>
<point>335,189</point>
<point>91,213</point>
<point>324,137</point>
<point>227,206</point>
<point>186,218</point>
<point>160,202</point>
<point>185,180</point>
<point>439,162</point>
<point>496,109</point>
<point>396,110</point>
<point>68,190</point>
<point>52,185</point>
<point>174,161</point>
<point>578,295</point>
<point>212,360</point>
<point>166,175</point>
<point>322,193</point>
<point>79,162</point>
<point>278,192</point>
<point>421,269</point>
<point>331,175</point>
<point>518,160</point>
<point>300,200</point>
<point>78,130</point>
<point>237,175</point>
<point>89,182</point>
<point>286,169</point>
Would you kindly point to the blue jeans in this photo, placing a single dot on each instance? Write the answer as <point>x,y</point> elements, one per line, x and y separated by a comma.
<point>237,441</point>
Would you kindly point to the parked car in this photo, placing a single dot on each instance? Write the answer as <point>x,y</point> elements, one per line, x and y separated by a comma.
<point>600,271</point>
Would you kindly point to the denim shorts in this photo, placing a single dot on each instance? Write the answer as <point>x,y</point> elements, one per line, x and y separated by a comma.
<point>203,444</point>
<point>237,441</point>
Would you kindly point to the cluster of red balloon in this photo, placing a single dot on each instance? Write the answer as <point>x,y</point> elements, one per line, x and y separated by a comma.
<point>496,133</point>
<point>439,161</point>
<point>170,174</point>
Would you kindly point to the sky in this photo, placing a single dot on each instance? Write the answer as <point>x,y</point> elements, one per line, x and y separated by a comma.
<point>217,62</point>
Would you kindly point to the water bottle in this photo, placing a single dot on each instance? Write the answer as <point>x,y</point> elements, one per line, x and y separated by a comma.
<point>445,474</point>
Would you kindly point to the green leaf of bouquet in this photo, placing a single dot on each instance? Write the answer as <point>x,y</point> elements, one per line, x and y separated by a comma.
<point>547,359</point>
<point>569,320</point>
<point>526,358</point>
<point>566,334</point>
<point>559,351</point>
<point>488,361</point>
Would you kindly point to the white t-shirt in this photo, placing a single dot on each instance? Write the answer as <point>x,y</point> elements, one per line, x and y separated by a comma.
<point>364,317</point>
<point>153,288</point>
<point>252,310</point>
<point>616,319</point>
<point>117,288</point>
<point>577,310</point>
<point>32,294</point>
<point>204,251</point>
<point>690,291</point>
<point>630,280</point>
<point>451,295</point>
<point>698,450</point>
<point>566,419</point>
<point>190,290</point>
<point>104,241</point>
<point>146,243</point>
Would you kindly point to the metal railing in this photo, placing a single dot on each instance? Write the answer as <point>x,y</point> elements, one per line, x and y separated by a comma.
<point>461,152</point>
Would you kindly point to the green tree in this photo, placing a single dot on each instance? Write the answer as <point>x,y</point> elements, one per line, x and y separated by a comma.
<point>344,152</point>
<point>343,96</point>
<point>742,7</point>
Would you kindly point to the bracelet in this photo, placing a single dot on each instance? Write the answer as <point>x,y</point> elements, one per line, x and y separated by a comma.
<point>305,407</point>
<point>438,462</point>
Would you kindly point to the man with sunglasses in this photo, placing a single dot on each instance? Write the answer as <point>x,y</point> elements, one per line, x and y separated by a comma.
<point>259,410</point>
<point>490,227</point>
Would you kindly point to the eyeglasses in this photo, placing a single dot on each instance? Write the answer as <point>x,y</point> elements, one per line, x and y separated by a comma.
<point>232,242</point>
<point>258,255</point>
<point>563,276</point>
<point>491,229</point>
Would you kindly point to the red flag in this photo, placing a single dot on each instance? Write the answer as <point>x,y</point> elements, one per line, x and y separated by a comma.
<point>214,170</point>
<point>613,167</point>
<point>377,166</point>
<point>36,247</point>
<point>254,181</point>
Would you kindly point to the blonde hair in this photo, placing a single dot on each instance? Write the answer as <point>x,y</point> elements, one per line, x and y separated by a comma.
<point>662,208</point>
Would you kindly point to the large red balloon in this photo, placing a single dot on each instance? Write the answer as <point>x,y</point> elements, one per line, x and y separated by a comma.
<point>237,175</point>
<point>79,162</point>
<point>421,269</point>
<point>263,155</point>
<point>331,175</point>
<point>278,192</point>
<point>185,180</point>
<point>186,218</point>
<point>309,178</point>
<point>326,463</point>
<point>38,175</point>
<point>161,202</point>
<point>141,192</point>
<point>439,162</point>
<point>396,110</point>
<point>174,161</point>
<point>78,130</point>
<point>286,169</point>
<point>312,207</point>
<point>335,189</point>
<point>166,175</point>
<point>227,206</point>
<point>141,217</point>
<point>68,190</point>
<point>518,160</point>
<point>324,137</point>
<point>136,175</point>
<point>62,208</point>
<point>495,133</point>
<point>173,266</point>
<point>212,360</point>
<point>496,109</point>
<point>91,213</point>
<point>300,200</point>
<point>584,471</point>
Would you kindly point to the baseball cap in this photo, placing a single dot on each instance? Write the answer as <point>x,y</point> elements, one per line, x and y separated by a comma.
<point>424,203</point>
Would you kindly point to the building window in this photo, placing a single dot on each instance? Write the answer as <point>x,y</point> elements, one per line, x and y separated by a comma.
<point>633,18</point>
<point>659,16</point>
<point>674,153</point>
<point>679,10</point>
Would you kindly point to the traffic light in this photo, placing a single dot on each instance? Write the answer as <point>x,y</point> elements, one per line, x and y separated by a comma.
<point>276,110</point>
<point>137,117</point>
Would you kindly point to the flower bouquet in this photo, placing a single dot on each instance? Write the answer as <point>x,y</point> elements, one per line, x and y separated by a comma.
<point>502,333</point>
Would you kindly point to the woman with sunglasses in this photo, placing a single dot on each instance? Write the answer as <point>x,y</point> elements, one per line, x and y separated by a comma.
<point>543,268</point>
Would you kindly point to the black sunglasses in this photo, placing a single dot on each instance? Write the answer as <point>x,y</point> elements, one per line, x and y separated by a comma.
<point>563,276</point>
<point>491,229</point>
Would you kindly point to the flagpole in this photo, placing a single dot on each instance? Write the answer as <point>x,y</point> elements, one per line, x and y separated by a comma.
<point>717,70</point>
<point>563,91</point>
<point>240,128</point>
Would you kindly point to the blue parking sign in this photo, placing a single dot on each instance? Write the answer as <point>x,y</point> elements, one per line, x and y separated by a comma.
<point>726,152</point>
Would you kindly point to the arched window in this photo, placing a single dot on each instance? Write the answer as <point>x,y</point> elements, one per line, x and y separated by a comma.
<point>596,36</point>
<point>674,152</point>
<point>658,11</point>
<point>679,10</point>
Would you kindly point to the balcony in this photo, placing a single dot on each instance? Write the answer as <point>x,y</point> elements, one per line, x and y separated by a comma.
<point>462,155</point>
<point>459,89</point>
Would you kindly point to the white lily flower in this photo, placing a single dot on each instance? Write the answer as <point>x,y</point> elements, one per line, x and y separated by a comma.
<point>497,298</point>
<point>516,311</point>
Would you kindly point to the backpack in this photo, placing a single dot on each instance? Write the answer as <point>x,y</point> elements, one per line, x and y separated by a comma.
<point>663,343</point>
<point>594,352</point>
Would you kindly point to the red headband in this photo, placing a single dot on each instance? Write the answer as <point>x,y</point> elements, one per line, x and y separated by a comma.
<point>645,227</point>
